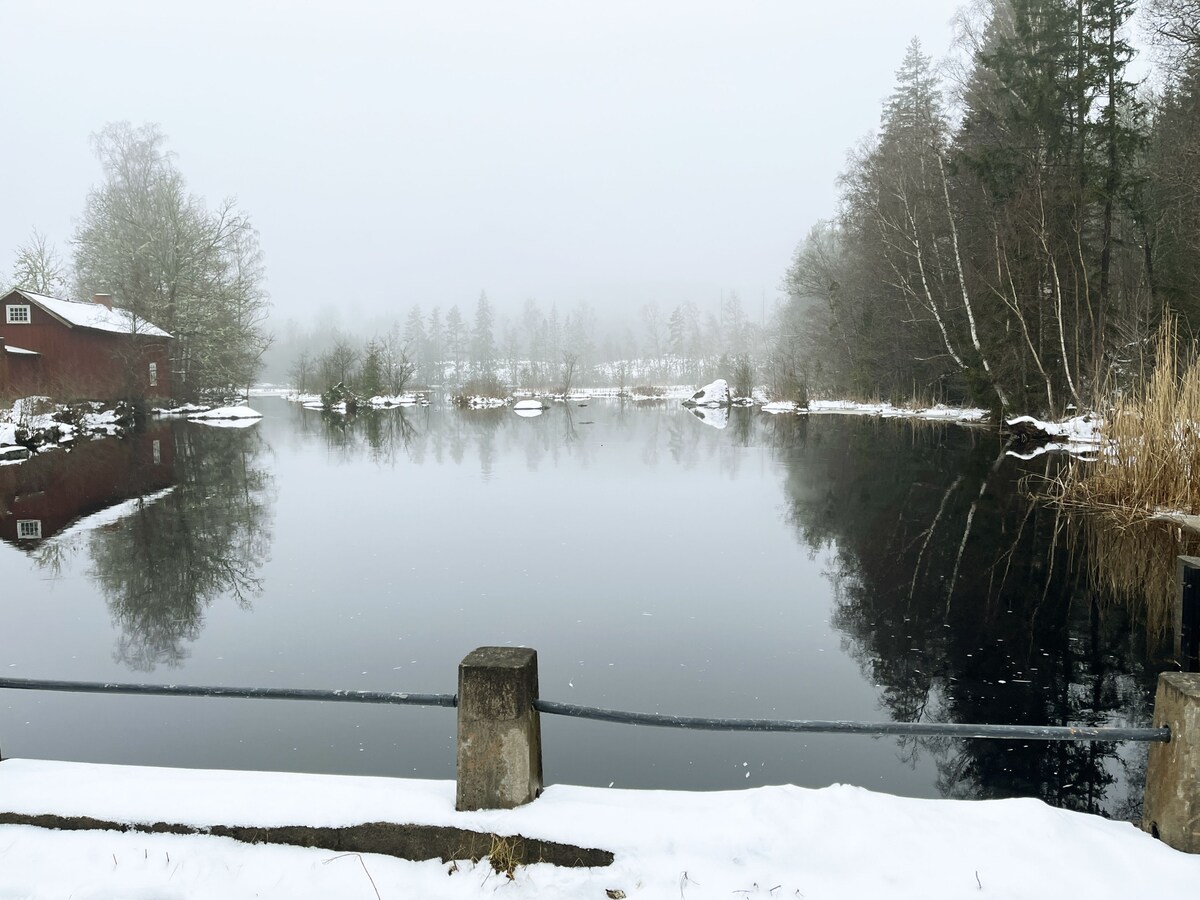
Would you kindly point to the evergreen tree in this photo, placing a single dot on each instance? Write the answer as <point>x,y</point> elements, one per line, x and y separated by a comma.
<point>416,343</point>
<point>483,341</point>
<point>436,353</point>
<point>455,342</point>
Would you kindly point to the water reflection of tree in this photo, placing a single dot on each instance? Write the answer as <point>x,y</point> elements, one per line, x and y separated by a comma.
<point>962,601</point>
<point>162,567</point>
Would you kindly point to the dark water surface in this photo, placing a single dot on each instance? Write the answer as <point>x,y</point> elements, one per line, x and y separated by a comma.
<point>827,568</point>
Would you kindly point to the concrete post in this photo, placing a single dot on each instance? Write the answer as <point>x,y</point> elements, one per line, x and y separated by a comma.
<point>1171,810</point>
<point>499,731</point>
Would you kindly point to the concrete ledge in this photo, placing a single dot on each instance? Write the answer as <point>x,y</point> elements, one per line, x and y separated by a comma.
<point>414,842</point>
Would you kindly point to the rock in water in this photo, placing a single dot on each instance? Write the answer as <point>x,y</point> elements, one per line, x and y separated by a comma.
<point>713,394</point>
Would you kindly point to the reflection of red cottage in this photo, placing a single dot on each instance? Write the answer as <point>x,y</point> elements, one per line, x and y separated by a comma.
<point>41,496</point>
<point>72,350</point>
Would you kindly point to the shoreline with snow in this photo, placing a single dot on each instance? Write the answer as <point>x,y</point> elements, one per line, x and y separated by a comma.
<point>782,841</point>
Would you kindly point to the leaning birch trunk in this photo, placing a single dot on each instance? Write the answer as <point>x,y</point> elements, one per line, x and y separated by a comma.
<point>995,382</point>
<point>916,242</point>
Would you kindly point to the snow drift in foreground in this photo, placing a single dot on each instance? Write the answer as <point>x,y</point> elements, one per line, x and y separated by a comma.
<point>777,842</point>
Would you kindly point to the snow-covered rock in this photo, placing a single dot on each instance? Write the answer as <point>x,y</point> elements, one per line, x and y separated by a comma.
<point>529,405</point>
<point>715,393</point>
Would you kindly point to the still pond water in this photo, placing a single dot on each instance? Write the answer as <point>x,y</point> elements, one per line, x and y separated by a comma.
<point>824,568</point>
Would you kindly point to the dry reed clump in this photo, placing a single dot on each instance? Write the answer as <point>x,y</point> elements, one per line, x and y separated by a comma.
<point>1150,462</point>
<point>506,854</point>
<point>1149,465</point>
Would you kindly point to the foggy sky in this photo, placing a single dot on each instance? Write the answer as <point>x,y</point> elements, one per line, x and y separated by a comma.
<point>394,153</point>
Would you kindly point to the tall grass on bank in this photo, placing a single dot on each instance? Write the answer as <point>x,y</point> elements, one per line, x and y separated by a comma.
<point>1150,461</point>
<point>1149,465</point>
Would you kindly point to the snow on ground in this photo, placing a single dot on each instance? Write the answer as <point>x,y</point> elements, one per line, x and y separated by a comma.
<point>478,402</point>
<point>775,407</point>
<point>405,399</point>
<point>182,410</point>
<point>1079,436</point>
<point>266,389</point>
<point>226,412</point>
<point>100,422</point>
<point>776,842</point>
<point>937,413</point>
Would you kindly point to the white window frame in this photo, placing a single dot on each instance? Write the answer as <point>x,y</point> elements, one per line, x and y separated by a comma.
<point>29,529</point>
<point>18,314</point>
<point>153,374</point>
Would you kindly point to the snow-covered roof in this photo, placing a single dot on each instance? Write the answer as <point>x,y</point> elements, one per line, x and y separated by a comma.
<point>20,350</point>
<point>96,316</point>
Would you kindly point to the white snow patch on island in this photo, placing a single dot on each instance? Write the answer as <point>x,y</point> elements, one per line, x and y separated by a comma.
<point>775,407</point>
<point>937,413</point>
<point>226,413</point>
<point>781,841</point>
<point>98,423</point>
<point>183,409</point>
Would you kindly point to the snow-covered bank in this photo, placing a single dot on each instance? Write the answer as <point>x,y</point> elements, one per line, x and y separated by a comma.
<point>771,842</point>
<point>37,422</point>
<point>1078,435</point>
<point>936,413</point>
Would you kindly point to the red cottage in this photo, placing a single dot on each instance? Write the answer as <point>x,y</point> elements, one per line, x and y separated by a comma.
<point>80,351</point>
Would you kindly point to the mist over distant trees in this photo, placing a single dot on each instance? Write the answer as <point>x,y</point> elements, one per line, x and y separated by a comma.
<point>1015,231</point>
<point>538,348</point>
